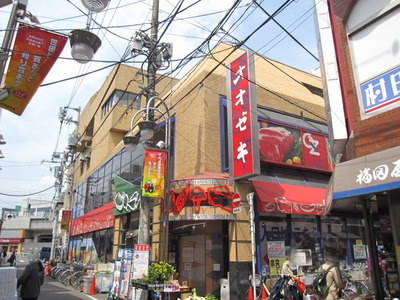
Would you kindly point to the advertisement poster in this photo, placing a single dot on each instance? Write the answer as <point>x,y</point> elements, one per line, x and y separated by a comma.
<point>153,184</point>
<point>276,249</point>
<point>292,146</point>
<point>275,265</point>
<point>34,54</point>
<point>359,252</point>
<point>65,219</point>
<point>140,261</point>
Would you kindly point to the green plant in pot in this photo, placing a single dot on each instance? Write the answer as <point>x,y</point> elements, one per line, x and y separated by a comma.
<point>159,272</point>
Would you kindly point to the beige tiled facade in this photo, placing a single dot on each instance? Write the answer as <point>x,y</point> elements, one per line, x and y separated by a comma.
<point>194,103</point>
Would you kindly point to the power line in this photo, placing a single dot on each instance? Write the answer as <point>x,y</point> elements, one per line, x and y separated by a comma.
<point>26,195</point>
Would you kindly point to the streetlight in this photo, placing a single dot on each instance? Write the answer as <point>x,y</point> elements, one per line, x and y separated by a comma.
<point>84,43</point>
<point>147,127</point>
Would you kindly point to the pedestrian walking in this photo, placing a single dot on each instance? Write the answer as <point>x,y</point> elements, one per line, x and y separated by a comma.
<point>333,277</point>
<point>31,280</point>
<point>12,259</point>
<point>3,256</point>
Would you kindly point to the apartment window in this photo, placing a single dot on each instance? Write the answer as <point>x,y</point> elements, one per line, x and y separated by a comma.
<point>121,98</point>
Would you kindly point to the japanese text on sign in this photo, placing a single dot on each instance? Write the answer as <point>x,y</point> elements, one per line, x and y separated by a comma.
<point>243,148</point>
<point>381,91</point>
<point>379,173</point>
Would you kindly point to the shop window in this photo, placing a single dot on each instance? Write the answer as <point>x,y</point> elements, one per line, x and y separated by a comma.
<point>224,135</point>
<point>45,238</point>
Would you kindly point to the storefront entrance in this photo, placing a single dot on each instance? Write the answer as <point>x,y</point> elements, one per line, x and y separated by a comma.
<point>201,258</point>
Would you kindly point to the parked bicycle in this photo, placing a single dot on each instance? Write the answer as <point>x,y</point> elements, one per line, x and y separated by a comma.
<point>71,274</point>
<point>288,287</point>
<point>353,289</point>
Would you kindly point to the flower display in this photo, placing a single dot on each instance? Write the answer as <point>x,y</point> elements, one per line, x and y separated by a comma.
<point>159,272</point>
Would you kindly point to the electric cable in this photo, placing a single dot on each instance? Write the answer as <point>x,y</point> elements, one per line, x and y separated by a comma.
<point>26,195</point>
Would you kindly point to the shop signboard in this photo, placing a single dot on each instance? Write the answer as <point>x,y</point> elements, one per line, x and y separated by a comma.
<point>295,147</point>
<point>126,196</point>
<point>140,261</point>
<point>34,54</point>
<point>98,219</point>
<point>379,171</point>
<point>242,118</point>
<point>153,184</point>
<point>381,93</point>
<point>206,196</point>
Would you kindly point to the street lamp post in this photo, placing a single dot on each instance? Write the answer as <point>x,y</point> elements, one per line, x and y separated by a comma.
<point>147,127</point>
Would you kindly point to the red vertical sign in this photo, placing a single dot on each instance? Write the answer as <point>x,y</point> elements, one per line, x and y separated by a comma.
<point>242,113</point>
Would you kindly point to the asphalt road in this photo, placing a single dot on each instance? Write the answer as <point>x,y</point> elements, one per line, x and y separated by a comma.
<point>53,290</point>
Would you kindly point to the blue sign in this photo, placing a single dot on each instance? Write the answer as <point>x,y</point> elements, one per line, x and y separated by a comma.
<point>381,92</point>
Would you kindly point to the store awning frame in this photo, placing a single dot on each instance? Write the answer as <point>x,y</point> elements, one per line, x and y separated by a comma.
<point>366,175</point>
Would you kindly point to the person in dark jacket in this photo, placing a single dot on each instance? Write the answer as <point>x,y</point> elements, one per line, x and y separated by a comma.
<point>31,280</point>
<point>12,259</point>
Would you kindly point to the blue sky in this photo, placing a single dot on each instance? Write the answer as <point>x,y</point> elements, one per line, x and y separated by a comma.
<point>34,136</point>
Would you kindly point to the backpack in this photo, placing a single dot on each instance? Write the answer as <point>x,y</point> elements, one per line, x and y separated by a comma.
<point>319,284</point>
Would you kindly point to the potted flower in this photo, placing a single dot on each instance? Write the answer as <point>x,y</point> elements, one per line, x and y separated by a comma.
<point>158,272</point>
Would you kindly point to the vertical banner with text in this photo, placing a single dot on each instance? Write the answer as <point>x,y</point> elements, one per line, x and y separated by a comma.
<point>153,184</point>
<point>65,219</point>
<point>34,54</point>
<point>242,118</point>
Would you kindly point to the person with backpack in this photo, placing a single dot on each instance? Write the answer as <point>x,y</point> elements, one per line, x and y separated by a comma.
<point>333,280</point>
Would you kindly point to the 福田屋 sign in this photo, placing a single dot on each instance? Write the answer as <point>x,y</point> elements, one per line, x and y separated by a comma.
<point>242,118</point>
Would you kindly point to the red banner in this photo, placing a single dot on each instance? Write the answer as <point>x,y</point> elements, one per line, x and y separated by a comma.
<point>11,241</point>
<point>100,218</point>
<point>154,173</point>
<point>35,52</point>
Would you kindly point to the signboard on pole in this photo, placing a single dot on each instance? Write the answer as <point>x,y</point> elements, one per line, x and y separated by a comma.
<point>153,184</point>
<point>140,261</point>
<point>34,54</point>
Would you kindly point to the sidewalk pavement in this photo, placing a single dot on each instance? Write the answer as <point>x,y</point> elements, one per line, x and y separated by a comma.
<point>71,290</point>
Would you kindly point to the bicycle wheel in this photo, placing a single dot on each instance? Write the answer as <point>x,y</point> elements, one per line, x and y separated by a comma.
<point>354,290</point>
<point>65,277</point>
<point>77,280</point>
<point>361,288</point>
<point>58,274</point>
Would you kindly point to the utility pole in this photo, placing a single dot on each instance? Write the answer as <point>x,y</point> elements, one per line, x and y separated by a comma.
<point>145,207</point>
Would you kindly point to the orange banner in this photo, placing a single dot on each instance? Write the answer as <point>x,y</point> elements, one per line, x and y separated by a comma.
<point>154,173</point>
<point>35,52</point>
<point>65,219</point>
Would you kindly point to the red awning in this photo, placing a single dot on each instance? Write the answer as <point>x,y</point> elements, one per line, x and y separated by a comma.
<point>100,218</point>
<point>289,199</point>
